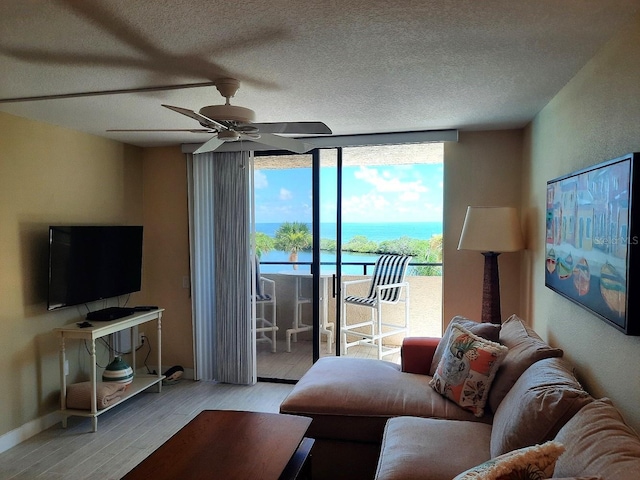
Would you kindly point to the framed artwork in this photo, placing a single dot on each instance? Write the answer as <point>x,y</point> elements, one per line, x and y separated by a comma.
<point>592,240</point>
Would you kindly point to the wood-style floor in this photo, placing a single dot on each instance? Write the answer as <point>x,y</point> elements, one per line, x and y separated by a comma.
<point>128,433</point>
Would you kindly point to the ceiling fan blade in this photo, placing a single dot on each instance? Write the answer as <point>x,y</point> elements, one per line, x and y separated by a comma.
<point>306,128</point>
<point>59,96</point>
<point>205,121</point>
<point>282,143</point>
<point>210,145</point>
<point>192,130</point>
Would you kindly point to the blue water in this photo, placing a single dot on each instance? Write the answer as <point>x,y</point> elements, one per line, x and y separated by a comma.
<point>373,231</point>
<point>376,232</point>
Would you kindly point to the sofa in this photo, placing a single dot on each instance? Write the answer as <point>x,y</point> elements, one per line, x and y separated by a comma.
<point>375,419</point>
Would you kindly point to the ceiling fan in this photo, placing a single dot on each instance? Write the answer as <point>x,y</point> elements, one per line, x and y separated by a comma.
<point>229,123</point>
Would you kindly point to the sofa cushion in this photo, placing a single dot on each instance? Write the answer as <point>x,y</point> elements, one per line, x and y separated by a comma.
<point>543,399</point>
<point>429,448</point>
<point>525,348</point>
<point>599,443</point>
<point>352,398</point>
<point>467,368</point>
<point>489,331</point>
<point>531,463</point>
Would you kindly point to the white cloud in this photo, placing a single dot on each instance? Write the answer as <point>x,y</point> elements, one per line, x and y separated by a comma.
<point>369,206</point>
<point>409,197</point>
<point>386,182</point>
<point>260,179</point>
<point>285,194</point>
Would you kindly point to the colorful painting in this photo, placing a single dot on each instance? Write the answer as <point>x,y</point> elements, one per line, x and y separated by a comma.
<point>591,239</point>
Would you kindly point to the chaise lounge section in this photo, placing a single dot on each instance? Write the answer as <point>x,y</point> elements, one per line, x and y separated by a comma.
<point>375,419</point>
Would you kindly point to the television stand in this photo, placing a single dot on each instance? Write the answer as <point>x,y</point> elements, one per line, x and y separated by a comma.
<point>90,334</point>
<point>110,313</point>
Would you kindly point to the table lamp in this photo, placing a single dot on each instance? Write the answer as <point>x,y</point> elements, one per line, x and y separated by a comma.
<point>492,231</point>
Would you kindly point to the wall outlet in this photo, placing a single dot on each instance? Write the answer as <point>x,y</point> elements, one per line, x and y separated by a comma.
<point>140,338</point>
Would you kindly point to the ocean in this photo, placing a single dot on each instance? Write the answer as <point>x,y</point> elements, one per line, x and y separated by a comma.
<point>376,232</point>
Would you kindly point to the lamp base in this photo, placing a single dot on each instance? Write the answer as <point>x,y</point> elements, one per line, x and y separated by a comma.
<point>491,289</point>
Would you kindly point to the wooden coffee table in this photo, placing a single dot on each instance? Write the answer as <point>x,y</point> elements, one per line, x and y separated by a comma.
<point>229,444</point>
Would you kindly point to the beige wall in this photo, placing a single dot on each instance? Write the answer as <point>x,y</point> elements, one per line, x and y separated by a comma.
<point>482,169</point>
<point>49,175</point>
<point>594,118</point>
<point>166,254</point>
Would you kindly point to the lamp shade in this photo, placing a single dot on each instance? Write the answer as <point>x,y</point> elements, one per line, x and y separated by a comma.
<point>118,371</point>
<point>491,229</point>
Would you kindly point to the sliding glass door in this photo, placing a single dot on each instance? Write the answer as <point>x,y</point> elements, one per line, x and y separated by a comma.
<point>389,201</point>
<point>324,218</point>
<point>284,224</point>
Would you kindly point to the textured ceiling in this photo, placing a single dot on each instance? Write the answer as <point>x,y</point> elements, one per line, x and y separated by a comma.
<point>359,66</point>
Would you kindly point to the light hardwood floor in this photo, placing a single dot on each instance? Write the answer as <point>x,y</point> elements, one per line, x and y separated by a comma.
<point>130,432</point>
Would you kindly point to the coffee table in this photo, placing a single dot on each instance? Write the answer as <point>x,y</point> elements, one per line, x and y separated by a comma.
<point>229,444</point>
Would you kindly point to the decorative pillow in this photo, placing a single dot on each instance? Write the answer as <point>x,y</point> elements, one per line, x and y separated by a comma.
<point>467,368</point>
<point>530,463</point>
<point>543,399</point>
<point>599,443</point>
<point>490,331</point>
<point>525,348</point>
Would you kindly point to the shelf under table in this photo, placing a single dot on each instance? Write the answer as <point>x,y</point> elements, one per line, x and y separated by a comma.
<point>100,329</point>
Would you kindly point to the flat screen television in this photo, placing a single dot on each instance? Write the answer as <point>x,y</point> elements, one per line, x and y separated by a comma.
<point>89,263</point>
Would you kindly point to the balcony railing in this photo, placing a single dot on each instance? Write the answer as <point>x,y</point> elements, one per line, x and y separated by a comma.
<point>365,265</point>
<point>425,313</point>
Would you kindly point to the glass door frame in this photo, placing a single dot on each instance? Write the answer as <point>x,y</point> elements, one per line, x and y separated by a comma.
<point>316,266</point>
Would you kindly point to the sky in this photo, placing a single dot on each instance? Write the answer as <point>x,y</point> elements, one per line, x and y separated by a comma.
<point>371,194</point>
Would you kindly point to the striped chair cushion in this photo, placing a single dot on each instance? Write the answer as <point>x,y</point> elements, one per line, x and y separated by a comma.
<point>389,269</point>
<point>260,295</point>
<point>370,302</point>
<point>264,297</point>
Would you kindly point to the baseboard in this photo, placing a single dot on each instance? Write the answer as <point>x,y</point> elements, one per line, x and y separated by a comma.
<point>28,430</point>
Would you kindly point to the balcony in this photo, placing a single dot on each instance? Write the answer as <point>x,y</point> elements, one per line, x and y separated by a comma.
<point>425,316</point>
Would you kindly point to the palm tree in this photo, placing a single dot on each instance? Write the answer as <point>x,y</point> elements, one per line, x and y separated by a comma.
<point>293,237</point>
<point>264,244</point>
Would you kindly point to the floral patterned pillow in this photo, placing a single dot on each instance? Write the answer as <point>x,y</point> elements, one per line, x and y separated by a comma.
<point>467,368</point>
<point>530,463</point>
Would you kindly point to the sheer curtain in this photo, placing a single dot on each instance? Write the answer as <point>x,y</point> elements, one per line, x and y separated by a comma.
<point>219,213</point>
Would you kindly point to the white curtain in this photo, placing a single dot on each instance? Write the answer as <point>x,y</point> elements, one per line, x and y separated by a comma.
<point>219,211</point>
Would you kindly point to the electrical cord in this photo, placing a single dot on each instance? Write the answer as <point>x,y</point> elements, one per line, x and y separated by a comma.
<point>113,351</point>
<point>89,352</point>
<point>148,344</point>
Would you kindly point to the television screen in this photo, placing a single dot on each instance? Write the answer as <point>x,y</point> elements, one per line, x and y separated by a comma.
<point>88,263</point>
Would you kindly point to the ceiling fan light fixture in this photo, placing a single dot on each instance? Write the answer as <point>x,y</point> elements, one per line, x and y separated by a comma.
<point>228,135</point>
<point>228,113</point>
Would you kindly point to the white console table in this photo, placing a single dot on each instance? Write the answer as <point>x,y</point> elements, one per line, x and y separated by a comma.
<point>91,334</point>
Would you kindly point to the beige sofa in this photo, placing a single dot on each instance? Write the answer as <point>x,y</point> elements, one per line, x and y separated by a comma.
<point>375,419</point>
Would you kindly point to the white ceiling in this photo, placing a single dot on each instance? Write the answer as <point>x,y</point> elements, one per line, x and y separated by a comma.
<point>361,66</point>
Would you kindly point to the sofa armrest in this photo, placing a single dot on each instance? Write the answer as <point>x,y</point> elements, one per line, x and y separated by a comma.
<point>417,354</point>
